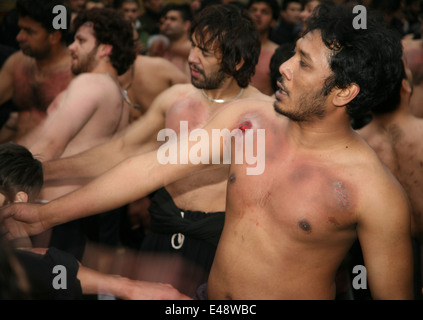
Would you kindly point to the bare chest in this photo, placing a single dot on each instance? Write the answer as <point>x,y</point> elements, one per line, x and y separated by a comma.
<point>190,111</point>
<point>34,90</point>
<point>303,200</point>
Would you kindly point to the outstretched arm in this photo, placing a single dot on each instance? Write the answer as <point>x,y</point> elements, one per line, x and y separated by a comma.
<point>130,180</point>
<point>94,282</point>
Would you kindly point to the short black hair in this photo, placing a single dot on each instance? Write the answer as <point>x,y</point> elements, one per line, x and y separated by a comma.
<point>19,171</point>
<point>41,11</point>
<point>183,9</point>
<point>285,3</point>
<point>370,58</point>
<point>273,4</point>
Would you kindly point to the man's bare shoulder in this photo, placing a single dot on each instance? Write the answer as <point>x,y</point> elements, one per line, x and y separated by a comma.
<point>152,62</point>
<point>16,60</point>
<point>254,93</point>
<point>181,89</point>
<point>93,81</point>
<point>270,46</point>
<point>148,67</point>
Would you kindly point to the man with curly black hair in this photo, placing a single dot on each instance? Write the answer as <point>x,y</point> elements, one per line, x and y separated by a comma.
<point>288,229</point>
<point>224,53</point>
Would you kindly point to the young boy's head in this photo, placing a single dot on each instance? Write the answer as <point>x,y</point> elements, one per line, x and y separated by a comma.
<point>21,175</point>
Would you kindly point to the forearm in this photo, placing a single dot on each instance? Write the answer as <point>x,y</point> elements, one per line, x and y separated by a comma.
<point>130,180</point>
<point>86,165</point>
<point>95,282</point>
<point>45,151</point>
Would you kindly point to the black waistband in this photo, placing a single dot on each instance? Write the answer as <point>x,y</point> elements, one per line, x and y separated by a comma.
<point>166,218</point>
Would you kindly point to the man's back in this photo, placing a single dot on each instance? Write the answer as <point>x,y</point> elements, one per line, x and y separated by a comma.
<point>396,138</point>
<point>146,79</point>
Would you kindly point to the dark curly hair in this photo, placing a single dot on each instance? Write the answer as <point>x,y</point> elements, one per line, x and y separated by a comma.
<point>229,28</point>
<point>370,58</point>
<point>111,27</point>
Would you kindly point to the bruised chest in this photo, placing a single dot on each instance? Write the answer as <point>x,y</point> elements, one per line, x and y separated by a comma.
<point>293,196</point>
<point>37,91</point>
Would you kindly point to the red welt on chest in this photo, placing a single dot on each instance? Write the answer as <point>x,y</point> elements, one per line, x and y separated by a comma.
<point>245,125</point>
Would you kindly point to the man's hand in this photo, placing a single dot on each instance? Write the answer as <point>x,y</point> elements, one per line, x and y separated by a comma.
<point>144,290</point>
<point>19,221</point>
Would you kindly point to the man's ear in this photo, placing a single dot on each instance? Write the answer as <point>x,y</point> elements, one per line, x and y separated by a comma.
<point>21,196</point>
<point>239,65</point>
<point>187,25</point>
<point>105,50</point>
<point>55,37</point>
<point>344,96</point>
<point>406,86</point>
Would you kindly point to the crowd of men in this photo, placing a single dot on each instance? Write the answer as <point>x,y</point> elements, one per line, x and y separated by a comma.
<point>89,110</point>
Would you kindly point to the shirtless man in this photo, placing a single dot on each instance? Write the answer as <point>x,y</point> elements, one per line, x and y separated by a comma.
<point>264,14</point>
<point>89,112</point>
<point>394,133</point>
<point>204,192</point>
<point>287,230</point>
<point>413,53</point>
<point>36,74</point>
<point>145,80</point>
<point>92,109</point>
<point>175,26</point>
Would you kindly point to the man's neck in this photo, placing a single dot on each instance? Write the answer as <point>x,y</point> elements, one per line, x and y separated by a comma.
<point>55,57</point>
<point>264,37</point>
<point>228,91</point>
<point>324,134</point>
<point>105,67</point>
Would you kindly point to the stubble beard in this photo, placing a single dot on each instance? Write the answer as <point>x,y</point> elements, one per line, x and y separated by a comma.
<point>307,109</point>
<point>211,82</point>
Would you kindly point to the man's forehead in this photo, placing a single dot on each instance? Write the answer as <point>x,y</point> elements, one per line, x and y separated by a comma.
<point>86,29</point>
<point>205,40</point>
<point>174,14</point>
<point>311,45</point>
<point>28,21</point>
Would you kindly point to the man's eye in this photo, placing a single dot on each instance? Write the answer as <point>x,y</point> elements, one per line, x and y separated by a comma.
<point>303,64</point>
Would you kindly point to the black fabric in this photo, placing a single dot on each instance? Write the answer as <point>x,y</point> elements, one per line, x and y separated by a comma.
<point>103,229</point>
<point>39,270</point>
<point>166,218</point>
<point>201,231</point>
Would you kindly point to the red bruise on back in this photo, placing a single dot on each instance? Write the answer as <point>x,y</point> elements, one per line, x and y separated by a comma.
<point>245,125</point>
